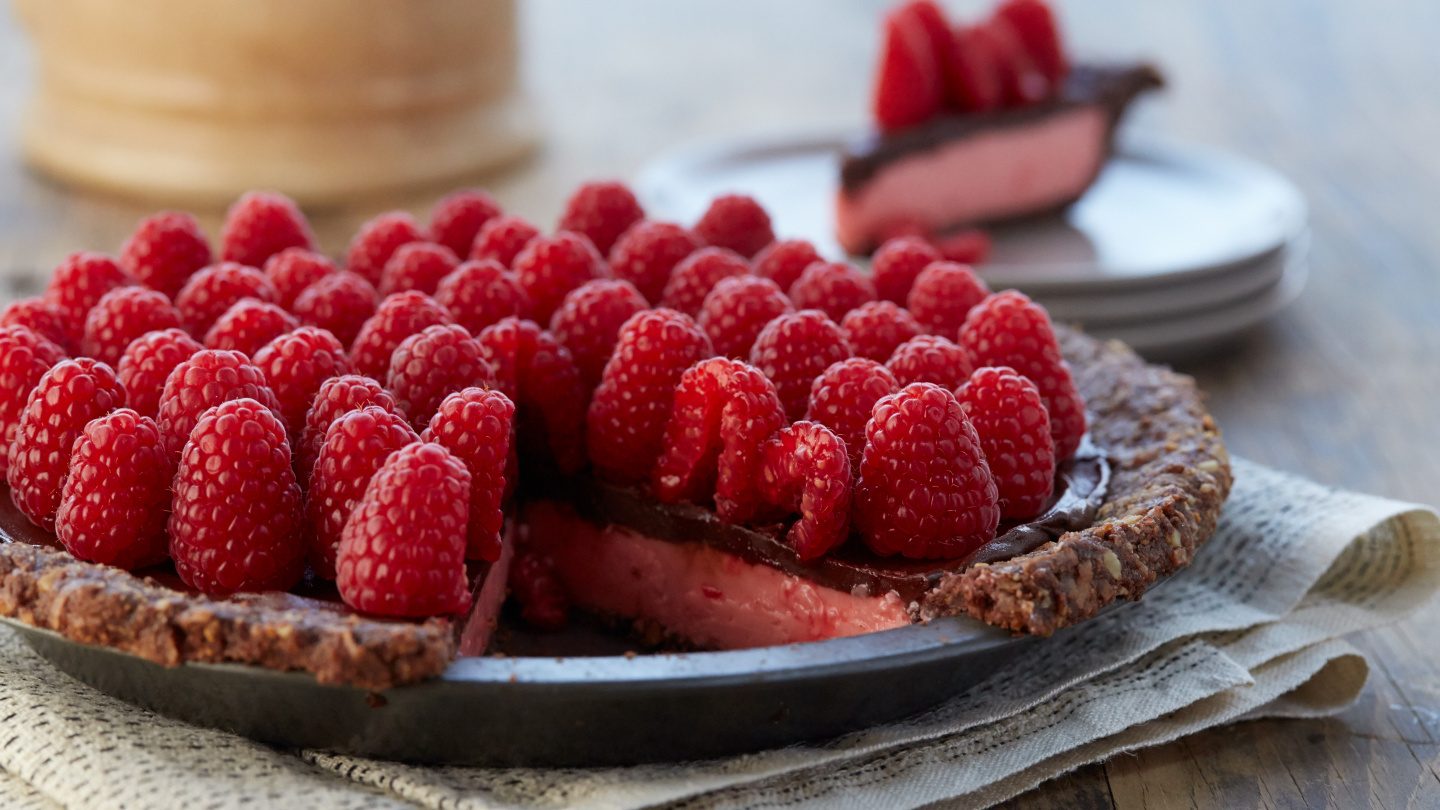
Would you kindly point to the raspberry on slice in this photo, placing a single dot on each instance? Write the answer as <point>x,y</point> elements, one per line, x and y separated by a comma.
<point>792,350</point>
<point>296,364</point>
<point>943,294</point>
<point>588,323</point>
<point>909,87</point>
<point>293,269</point>
<point>1034,23</point>
<point>249,325</point>
<point>925,490</point>
<point>625,426</point>
<point>147,364</point>
<point>843,397</point>
<point>877,328</point>
<point>834,288</point>
<point>601,210</point>
<point>897,263</point>
<point>502,239</point>
<point>202,381</point>
<point>972,75</point>
<point>417,266</point>
<point>438,361</point>
<point>403,553</point>
<point>782,262</point>
<point>724,411</point>
<point>236,520</point>
<point>354,447</point>
<point>646,255</point>
<point>479,293</point>
<point>1008,329</point>
<point>59,407</point>
<point>697,274</point>
<point>737,309</point>
<point>123,314</point>
<point>1021,80</point>
<point>77,285</point>
<point>210,292</point>
<point>39,316</point>
<point>377,240</point>
<point>165,250</point>
<point>340,303</point>
<point>538,373</point>
<point>337,396</point>
<point>551,266</point>
<point>804,468</point>
<point>969,246</point>
<point>24,359</point>
<point>117,496</point>
<point>736,222</point>
<point>544,604</point>
<point>458,217</point>
<point>475,425</point>
<point>261,224</point>
<point>398,317</point>
<point>932,359</point>
<point>1009,414</point>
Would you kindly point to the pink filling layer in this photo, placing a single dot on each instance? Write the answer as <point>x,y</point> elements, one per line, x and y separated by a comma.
<point>994,175</point>
<point>695,591</point>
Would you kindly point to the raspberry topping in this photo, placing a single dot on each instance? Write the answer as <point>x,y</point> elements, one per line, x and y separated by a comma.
<point>147,364</point>
<point>398,317</point>
<point>697,274</point>
<point>908,84</point>
<point>479,293</point>
<point>417,266</point>
<point>588,323</point>
<point>39,316</point>
<point>877,328</point>
<point>834,288</point>
<point>294,269</point>
<point>261,224</point>
<point>202,381</point>
<point>165,250</point>
<point>458,217</point>
<point>783,261</point>
<point>793,349</point>
<point>24,359</point>
<point>969,246</point>
<point>77,285</point>
<point>296,364</point>
<point>972,77</point>
<point>377,240</point>
<point>897,263</point>
<point>843,397</point>
<point>339,303</point>
<point>249,325</point>
<point>439,360</point>
<point>116,498</point>
<point>737,309</point>
<point>1009,414</point>
<point>736,222</point>
<point>1034,24</point>
<point>502,239</point>
<point>337,396</point>
<point>538,373</point>
<point>551,266</point>
<point>601,211</point>
<point>646,255</point>
<point>943,294</point>
<point>932,359</point>
<point>210,292</point>
<point>805,469</point>
<point>475,425</point>
<point>123,314</point>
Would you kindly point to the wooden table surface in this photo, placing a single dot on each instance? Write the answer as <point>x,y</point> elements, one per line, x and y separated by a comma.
<point>1343,387</point>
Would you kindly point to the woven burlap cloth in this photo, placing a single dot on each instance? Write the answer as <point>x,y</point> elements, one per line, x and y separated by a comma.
<point>1254,628</point>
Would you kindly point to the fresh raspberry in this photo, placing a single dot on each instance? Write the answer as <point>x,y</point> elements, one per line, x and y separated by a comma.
<point>417,266</point>
<point>538,373</point>
<point>697,274</point>
<point>909,87</point>
<point>1034,23</point>
<point>479,293</point>
<point>236,517</point>
<point>458,217</point>
<point>341,303</point>
<point>337,396</point>
<point>805,469</point>
<point>724,411</point>
<point>377,240</point>
<point>165,250</point>
<point>117,496</point>
<point>437,361</point>
<point>588,323</point>
<point>736,222</point>
<point>601,211</point>
<point>39,316</point>
<point>77,285</point>
<point>843,396</point>
<point>210,292</point>
<point>121,315</point>
<point>398,317</point>
<point>783,261</point>
<point>737,309</point>
<point>551,266</point>
<point>877,328</point>
<point>968,246</point>
<point>261,224</point>
<point>354,447</point>
<point>24,359</point>
<point>646,255</point>
<point>627,416</point>
<point>793,350</point>
<point>1021,80</point>
<point>65,399</point>
<point>932,359</point>
<point>1009,414</point>
<point>475,425</point>
<point>202,381</point>
<point>972,75</point>
<point>502,239</point>
<point>834,288</point>
<point>296,364</point>
<point>248,325</point>
<point>897,263</point>
<point>943,294</point>
<point>404,552</point>
<point>544,604</point>
<point>293,269</point>
<point>147,364</point>
<point>925,490</point>
<point>1008,329</point>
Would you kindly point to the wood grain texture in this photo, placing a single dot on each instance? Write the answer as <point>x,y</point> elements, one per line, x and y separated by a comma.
<point>1343,387</point>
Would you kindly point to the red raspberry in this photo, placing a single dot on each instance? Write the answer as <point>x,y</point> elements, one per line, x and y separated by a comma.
<point>724,411</point>
<point>551,266</point>
<point>793,349</point>
<point>354,447</point>
<point>737,309</point>
<point>843,396</point>
<point>544,604</point>
<point>377,240</point>
<point>877,328</point>
<point>969,246</point>
<point>24,359</point>
<point>627,416</point>
<point>337,396</point>
<point>972,72</point>
<point>834,288</point>
<point>77,285</point>
<point>296,364</point>
<point>65,399</point>
<point>165,250</point>
<point>601,211</point>
<point>805,469</point>
<point>398,317</point>
<point>1008,329</point>
<point>123,314</point>
<point>502,239</point>
<point>697,274</point>
<point>341,303</point>
<point>202,381</point>
<point>210,292</point>
<point>1034,23</point>
<point>458,217</point>
<point>417,266</point>
<point>925,490</point>
<point>943,293</point>
<point>261,224</point>
<point>39,316</point>
<point>404,553</point>
<point>249,325</point>
<point>147,363</point>
<point>897,263</point>
<point>1009,414</point>
<point>646,255</point>
<point>293,269</point>
<point>436,362</point>
<point>475,425</point>
<point>736,222</point>
<point>783,262</point>
<point>480,293</point>
<point>117,496</point>
<point>932,359</point>
<point>909,87</point>
<point>236,521</point>
<point>539,374</point>
<point>588,323</point>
